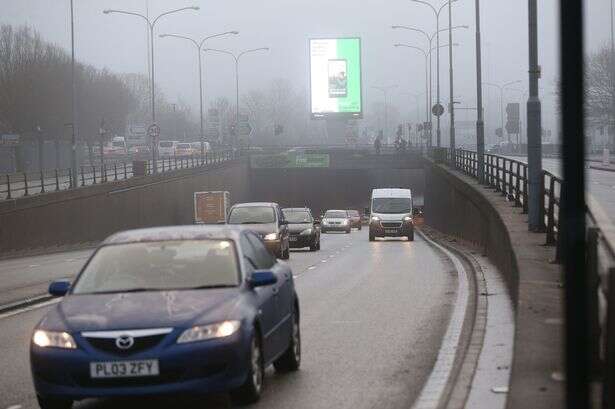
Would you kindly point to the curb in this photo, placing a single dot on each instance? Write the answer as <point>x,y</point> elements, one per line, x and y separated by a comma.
<point>44,251</point>
<point>604,168</point>
<point>28,302</point>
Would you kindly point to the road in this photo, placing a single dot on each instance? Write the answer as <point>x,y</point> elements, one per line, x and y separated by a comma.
<point>373,319</point>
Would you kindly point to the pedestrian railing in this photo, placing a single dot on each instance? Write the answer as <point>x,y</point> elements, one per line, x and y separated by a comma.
<point>16,185</point>
<point>510,177</point>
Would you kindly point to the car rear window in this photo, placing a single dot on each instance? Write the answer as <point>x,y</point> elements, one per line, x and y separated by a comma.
<point>297,216</point>
<point>166,144</point>
<point>160,265</point>
<point>183,146</point>
<point>118,144</point>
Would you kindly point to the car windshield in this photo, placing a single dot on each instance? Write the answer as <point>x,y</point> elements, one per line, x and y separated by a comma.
<point>183,146</point>
<point>252,215</point>
<point>297,216</point>
<point>118,144</point>
<point>353,213</point>
<point>160,265</point>
<point>166,144</point>
<point>336,214</point>
<point>391,205</point>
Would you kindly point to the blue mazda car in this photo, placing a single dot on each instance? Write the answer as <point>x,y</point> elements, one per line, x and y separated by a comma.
<point>174,310</point>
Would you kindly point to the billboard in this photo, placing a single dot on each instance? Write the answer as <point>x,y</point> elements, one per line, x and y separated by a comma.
<point>335,78</point>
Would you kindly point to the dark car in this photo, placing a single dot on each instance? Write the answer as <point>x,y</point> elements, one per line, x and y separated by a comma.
<point>304,231</point>
<point>355,219</point>
<point>336,220</point>
<point>268,221</point>
<point>175,310</point>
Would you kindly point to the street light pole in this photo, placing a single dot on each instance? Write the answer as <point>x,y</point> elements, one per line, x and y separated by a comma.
<point>480,122</point>
<point>73,150</point>
<point>534,128</point>
<point>237,59</point>
<point>152,24</point>
<point>199,47</point>
<point>437,15</point>
<point>452,98</point>
<point>430,39</point>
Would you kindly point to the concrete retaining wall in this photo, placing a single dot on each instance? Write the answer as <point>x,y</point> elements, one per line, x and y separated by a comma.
<point>89,214</point>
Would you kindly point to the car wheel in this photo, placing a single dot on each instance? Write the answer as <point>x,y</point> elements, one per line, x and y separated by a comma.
<point>360,227</point>
<point>318,244</point>
<point>411,236</point>
<point>286,254</point>
<point>348,231</point>
<point>251,390</point>
<point>372,236</point>
<point>291,359</point>
<point>53,403</point>
<point>314,246</point>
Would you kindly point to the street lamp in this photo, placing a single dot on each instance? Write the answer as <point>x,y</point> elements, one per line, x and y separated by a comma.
<point>237,58</point>
<point>430,39</point>
<point>427,55</point>
<point>502,88</point>
<point>152,24</point>
<point>385,91</point>
<point>73,150</point>
<point>437,12</point>
<point>199,47</point>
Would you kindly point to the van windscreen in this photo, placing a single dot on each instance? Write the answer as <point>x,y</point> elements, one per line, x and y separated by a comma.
<point>393,205</point>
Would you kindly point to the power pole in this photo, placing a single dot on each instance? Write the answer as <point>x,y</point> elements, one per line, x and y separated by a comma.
<point>480,123</point>
<point>73,150</point>
<point>534,129</point>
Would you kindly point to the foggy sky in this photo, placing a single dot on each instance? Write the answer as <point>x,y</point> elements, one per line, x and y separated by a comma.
<point>118,42</point>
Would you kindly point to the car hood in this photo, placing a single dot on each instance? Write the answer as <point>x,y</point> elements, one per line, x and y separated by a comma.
<point>100,312</point>
<point>299,227</point>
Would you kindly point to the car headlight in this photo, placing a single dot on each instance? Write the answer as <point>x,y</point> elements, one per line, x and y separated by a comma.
<point>407,219</point>
<point>271,236</point>
<point>211,331</point>
<point>375,219</point>
<point>306,232</point>
<point>344,222</point>
<point>53,339</point>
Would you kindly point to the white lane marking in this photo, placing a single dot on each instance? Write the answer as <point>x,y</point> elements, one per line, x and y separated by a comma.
<point>14,407</point>
<point>323,261</point>
<point>70,260</point>
<point>34,265</point>
<point>311,267</point>
<point>331,256</point>
<point>30,308</point>
<point>433,390</point>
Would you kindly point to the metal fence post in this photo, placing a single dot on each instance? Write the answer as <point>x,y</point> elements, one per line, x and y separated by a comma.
<point>518,186</point>
<point>525,203</point>
<point>551,213</point>
<point>57,180</point>
<point>8,187</point>
<point>82,177</point>
<point>42,182</point>
<point>25,181</point>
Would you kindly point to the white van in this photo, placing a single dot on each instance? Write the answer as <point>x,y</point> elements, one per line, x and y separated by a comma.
<point>166,149</point>
<point>391,214</point>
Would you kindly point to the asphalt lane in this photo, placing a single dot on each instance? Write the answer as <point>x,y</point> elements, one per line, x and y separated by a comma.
<point>373,316</point>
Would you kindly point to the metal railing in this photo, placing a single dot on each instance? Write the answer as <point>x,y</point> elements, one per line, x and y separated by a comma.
<point>510,177</point>
<point>16,185</point>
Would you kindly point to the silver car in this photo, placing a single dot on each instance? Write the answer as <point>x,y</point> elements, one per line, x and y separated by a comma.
<point>336,220</point>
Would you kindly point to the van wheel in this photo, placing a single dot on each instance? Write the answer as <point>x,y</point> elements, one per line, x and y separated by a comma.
<point>372,237</point>
<point>286,254</point>
<point>411,236</point>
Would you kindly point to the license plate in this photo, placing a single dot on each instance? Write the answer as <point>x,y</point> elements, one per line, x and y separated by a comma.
<point>292,238</point>
<point>390,231</point>
<point>124,369</point>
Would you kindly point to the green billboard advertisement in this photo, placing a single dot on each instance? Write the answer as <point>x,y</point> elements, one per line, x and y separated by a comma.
<point>335,78</point>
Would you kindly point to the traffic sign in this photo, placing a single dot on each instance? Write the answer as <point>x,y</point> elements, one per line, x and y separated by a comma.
<point>153,131</point>
<point>437,110</point>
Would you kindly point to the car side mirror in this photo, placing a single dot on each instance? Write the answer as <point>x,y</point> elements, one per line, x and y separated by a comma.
<point>262,278</point>
<point>59,288</point>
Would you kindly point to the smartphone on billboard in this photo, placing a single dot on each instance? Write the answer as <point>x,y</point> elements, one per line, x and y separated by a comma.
<point>338,78</point>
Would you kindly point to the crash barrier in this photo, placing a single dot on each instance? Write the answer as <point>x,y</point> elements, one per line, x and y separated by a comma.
<point>510,177</point>
<point>25,184</point>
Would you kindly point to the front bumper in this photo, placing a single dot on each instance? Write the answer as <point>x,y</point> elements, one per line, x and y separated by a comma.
<point>335,227</point>
<point>298,241</point>
<point>391,229</point>
<point>196,368</point>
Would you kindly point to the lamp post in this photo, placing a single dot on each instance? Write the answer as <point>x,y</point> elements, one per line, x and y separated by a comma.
<point>437,12</point>
<point>502,88</point>
<point>73,142</point>
<point>385,91</point>
<point>237,58</point>
<point>480,122</point>
<point>430,40</point>
<point>199,47</point>
<point>151,25</point>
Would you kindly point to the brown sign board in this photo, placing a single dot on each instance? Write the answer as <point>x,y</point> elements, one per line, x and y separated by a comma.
<point>211,207</point>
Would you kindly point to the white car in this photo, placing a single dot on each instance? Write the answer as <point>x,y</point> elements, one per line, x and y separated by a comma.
<point>336,220</point>
<point>166,149</point>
